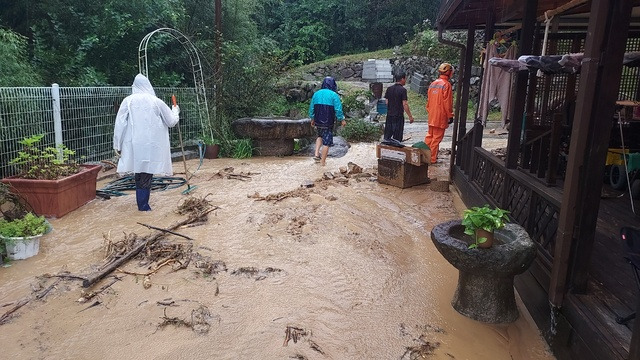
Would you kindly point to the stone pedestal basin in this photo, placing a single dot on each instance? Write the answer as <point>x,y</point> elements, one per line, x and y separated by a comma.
<point>485,283</point>
<point>273,136</point>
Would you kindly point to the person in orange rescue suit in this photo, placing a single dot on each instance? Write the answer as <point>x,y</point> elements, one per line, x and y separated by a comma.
<point>439,109</point>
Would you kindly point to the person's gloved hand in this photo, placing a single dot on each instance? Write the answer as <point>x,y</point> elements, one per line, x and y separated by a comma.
<point>176,110</point>
<point>450,120</point>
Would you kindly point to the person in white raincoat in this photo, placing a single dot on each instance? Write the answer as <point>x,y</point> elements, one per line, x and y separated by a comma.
<point>141,136</point>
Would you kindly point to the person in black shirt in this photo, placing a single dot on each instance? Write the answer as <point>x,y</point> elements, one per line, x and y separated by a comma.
<point>397,105</point>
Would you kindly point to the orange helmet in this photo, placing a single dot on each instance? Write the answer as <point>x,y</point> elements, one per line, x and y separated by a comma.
<point>444,67</point>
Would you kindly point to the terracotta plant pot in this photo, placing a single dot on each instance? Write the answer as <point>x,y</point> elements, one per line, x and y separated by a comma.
<point>481,233</point>
<point>211,151</point>
<point>55,198</point>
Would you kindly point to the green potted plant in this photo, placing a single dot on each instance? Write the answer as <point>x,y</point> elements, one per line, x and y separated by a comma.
<point>481,222</point>
<point>20,229</point>
<point>212,147</point>
<point>50,180</point>
<point>21,237</point>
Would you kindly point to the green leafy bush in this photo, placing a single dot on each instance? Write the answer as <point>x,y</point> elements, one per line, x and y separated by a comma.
<point>29,225</point>
<point>44,164</point>
<point>360,130</point>
<point>350,101</point>
<point>484,218</point>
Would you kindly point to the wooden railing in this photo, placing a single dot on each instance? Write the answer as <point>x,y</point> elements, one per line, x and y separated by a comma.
<point>530,203</point>
<point>541,151</point>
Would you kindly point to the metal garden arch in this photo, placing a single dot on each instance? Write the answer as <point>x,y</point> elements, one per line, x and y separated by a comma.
<point>196,66</point>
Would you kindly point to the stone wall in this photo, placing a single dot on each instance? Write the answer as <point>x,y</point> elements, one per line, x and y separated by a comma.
<point>427,67</point>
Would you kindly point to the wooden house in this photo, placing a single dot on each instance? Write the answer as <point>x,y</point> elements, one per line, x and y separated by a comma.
<point>563,129</point>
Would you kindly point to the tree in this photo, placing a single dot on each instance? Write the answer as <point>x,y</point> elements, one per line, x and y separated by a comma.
<point>16,69</point>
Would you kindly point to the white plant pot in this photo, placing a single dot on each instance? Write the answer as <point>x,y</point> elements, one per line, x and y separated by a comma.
<point>23,248</point>
<point>19,248</point>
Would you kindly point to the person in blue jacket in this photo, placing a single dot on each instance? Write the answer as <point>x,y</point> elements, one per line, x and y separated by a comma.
<point>325,107</point>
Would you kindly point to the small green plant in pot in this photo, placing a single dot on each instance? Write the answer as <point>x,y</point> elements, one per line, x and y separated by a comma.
<point>481,222</point>
<point>21,237</point>
<point>36,163</point>
<point>212,147</point>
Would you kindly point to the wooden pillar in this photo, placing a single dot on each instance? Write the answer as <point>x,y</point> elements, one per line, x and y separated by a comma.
<point>488,35</point>
<point>466,75</point>
<point>519,95</point>
<point>463,78</point>
<point>597,93</point>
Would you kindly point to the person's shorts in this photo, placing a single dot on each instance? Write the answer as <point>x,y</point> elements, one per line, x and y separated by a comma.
<point>326,134</point>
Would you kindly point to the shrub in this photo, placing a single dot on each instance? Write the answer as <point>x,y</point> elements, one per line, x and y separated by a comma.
<point>350,101</point>
<point>360,130</point>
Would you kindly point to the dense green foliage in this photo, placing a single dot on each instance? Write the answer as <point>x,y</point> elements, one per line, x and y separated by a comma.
<point>360,130</point>
<point>16,68</point>
<point>89,43</point>
<point>29,225</point>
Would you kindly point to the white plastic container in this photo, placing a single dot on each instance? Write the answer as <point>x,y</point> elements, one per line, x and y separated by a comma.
<point>23,248</point>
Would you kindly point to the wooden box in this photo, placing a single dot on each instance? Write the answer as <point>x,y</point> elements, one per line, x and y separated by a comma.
<point>401,174</point>
<point>411,155</point>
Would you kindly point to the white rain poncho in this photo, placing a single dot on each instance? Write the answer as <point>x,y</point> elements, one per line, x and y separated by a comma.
<point>141,131</point>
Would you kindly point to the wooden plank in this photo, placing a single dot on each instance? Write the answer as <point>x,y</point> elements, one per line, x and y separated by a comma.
<point>634,347</point>
<point>585,314</point>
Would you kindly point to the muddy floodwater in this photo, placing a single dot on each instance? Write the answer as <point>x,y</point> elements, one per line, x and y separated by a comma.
<point>339,270</point>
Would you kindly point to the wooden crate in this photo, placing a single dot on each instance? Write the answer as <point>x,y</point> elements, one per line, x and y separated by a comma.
<point>411,155</point>
<point>401,174</point>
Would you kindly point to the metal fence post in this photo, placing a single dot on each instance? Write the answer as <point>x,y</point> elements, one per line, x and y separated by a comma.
<point>57,118</point>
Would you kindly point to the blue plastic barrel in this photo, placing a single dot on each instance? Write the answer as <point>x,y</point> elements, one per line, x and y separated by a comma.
<point>381,107</point>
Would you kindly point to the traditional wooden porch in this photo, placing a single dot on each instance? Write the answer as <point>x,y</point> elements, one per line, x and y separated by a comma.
<point>551,179</point>
<point>611,291</point>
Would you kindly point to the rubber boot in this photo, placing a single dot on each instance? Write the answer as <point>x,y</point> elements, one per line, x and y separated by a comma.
<point>142,198</point>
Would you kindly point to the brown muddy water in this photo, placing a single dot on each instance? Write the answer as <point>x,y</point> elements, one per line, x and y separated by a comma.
<point>338,271</point>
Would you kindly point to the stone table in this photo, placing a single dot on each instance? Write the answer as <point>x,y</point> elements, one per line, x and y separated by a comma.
<point>273,136</point>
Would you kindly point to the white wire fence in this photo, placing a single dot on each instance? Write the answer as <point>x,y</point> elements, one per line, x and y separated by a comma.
<point>82,118</point>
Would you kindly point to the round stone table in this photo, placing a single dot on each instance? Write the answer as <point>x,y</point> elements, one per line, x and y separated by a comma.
<point>485,282</point>
<point>273,136</point>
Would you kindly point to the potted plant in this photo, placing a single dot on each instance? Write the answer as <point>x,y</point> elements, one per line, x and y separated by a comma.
<point>49,180</point>
<point>481,222</point>
<point>20,229</point>
<point>21,237</point>
<point>212,147</point>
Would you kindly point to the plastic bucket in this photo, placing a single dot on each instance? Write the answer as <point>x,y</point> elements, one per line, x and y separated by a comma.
<point>381,107</point>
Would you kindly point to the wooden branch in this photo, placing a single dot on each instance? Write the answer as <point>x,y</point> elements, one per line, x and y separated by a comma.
<point>46,291</point>
<point>165,230</point>
<point>88,296</point>
<point>167,262</point>
<point>133,252</point>
<point>66,276</point>
<point>24,302</point>
<point>20,304</point>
